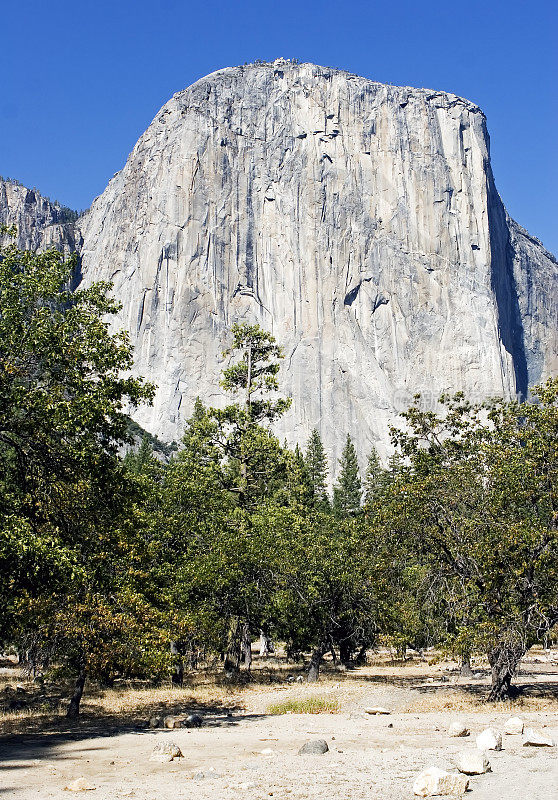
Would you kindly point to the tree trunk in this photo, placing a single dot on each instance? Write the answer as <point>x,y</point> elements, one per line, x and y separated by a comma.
<point>316,662</point>
<point>361,658</point>
<point>178,670</point>
<point>246,646</point>
<point>345,652</point>
<point>465,670</point>
<point>73,708</point>
<point>233,654</point>
<point>266,645</point>
<point>504,659</point>
<point>332,651</point>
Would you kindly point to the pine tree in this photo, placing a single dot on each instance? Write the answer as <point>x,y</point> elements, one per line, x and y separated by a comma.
<point>315,460</point>
<point>375,477</point>
<point>348,490</point>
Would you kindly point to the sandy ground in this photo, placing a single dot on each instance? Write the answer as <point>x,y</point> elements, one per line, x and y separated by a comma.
<point>255,755</point>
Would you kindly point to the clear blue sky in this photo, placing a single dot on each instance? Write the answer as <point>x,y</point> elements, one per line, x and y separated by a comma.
<point>81,80</point>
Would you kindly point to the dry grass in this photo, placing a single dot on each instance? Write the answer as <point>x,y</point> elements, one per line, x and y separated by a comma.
<point>315,704</point>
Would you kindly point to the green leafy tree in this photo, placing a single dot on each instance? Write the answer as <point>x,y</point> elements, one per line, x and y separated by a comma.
<point>479,501</point>
<point>62,486</point>
<point>347,492</point>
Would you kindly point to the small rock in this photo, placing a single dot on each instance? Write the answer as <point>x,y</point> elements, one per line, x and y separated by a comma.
<point>166,751</point>
<point>458,728</point>
<point>489,739</point>
<point>193,721</point>
<point>533,738</point>
<point>300,679</point>
<point>377,710</point>
<point>171,722</point>
<point>472,762</point>
<point>79,785</point>
<point>514,725</point>
<point>155,722</point>
<point>290,678</point>
<point>267,751</point>
<point>434,781</point>
<point>316,747</point>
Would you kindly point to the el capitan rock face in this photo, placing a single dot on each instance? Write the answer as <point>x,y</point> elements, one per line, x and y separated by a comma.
<point>358,222</point>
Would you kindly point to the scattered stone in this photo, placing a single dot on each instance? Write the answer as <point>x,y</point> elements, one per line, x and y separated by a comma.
<point>300,679</point>
<point>79,785</point>
<point>171,722</point>
<point>458,728</point>
<point>514,725</point>
<point>533,738</point>
<point>472,762</point>
<point>166,751</point>
<point>435,781</point>
<point>290,678</point>
<point>489,739</point>
<point>193,721</point>
<point>267,751</point>
<point>315,747</point>
<point>377,710</point>
<point>155,722</point>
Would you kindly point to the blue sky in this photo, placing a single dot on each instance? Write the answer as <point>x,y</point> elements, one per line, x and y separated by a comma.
<point>81,80</point>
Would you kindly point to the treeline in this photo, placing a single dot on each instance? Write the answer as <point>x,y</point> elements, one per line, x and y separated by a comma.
<point>131,566</point>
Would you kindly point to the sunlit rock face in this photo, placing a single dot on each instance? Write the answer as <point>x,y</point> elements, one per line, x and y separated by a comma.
<point>358,222</point>
<point>39,223</point>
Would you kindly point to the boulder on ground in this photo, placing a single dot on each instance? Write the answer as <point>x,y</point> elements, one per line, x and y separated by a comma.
<point>155,721</point>
<point>514,725</point>
<point>377,710</point>
<point>472,762</point>
<point>171,722</point>
<point>458,728</point>
<point>489,739</point>
<point>166,751</point>
<point>193,721</point>
<point>315,747</point>
<point>79,785</point>
<point>533,738</point>
<point>434,781</point>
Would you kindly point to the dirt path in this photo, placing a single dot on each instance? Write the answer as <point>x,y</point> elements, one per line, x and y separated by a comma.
<point>369,758</point>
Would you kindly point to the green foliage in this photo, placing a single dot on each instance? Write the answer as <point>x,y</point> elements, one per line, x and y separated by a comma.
<point>478,500</point>
<point>347,492</point>
<point>315,459</point>
<point>375,478</point>
<point>66,552</point>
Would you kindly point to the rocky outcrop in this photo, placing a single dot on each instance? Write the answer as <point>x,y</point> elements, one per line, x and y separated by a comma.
<point>40,223</point>
<point>358,222</point>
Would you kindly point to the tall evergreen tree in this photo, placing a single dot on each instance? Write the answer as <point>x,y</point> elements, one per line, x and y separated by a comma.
<point>375,477</point>
<point>347,492</point>
<point>315,460</point>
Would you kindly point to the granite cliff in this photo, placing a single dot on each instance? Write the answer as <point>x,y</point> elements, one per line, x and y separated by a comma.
<point>359,222</point>
<point>39,222</point>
